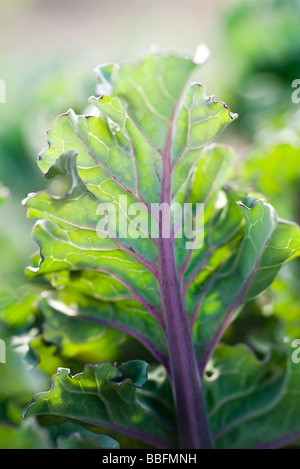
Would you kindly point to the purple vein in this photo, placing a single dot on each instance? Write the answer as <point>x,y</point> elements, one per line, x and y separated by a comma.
<point>136,296</point>
<point>209,349</point>
<point>198,271</point>
<point>280,442</point>
<point>127,330</point>
<point>152,440</point>
<point>142,261</point>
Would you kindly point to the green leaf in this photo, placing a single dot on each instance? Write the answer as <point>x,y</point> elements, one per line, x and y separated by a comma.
<point>122,153</point>
<point>18,380</point>
<point>217,277</point>
<point>267,243</point>
<point>253,403</point>
<point>73,436</point>
<point>73,318</point>
<point>75,441</point>
<point>149,142</point>
<point>76,337</point>
<point>105,396</point>
<point>284,304</point>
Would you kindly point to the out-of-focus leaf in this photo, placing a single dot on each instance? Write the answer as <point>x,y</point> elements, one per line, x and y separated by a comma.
<point>246,16</point>
<point>262,68</point>
<point>50,360</point>
<point>76,441</point>
<point>28,435</point>
<point>18,309</point>
<point>76,337</point>
<point>274,169</point>
<point>84,319</point>
<point>3,193</point>
<point>73,436</point>
<point>285,308</point>
<point>17,378</point>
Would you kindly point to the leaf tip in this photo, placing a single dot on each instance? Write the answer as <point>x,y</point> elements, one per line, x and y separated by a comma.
<point>29,196</point>
<point>250,201</point>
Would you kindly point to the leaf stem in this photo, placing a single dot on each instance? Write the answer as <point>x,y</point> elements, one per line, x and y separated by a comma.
<point>187,387</point>
<point>194,432</point>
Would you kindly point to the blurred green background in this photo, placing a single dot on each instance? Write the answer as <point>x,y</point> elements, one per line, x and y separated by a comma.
<point>48,51</point>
